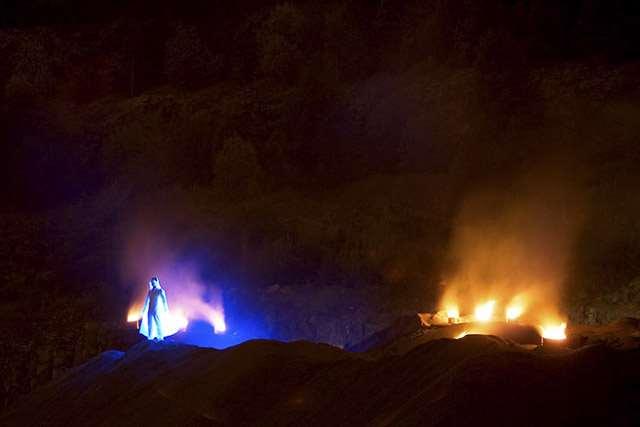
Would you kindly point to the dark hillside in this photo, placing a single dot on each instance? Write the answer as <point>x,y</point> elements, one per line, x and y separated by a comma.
<point>478,380</point>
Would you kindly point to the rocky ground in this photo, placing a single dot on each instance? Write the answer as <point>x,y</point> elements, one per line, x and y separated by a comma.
<point>476,380</point>
<point>335,315</point>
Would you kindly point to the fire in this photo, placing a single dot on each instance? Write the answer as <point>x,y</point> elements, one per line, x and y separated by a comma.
<point>189,309</point>
<point>484,312</point>
<point>554,332</point>
<point>453,313</point>
<point>179,320</point>
<point>134,313</point>
<point>217,320</point>
<point>513,312</point>
<point>549,322</point>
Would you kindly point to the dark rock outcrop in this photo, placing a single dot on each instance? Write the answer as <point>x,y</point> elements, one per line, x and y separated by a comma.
<point>30,357</point>
<point>405,326</point>
<point>606,307</point>
<point>476,380</point>
<point>334,315</point>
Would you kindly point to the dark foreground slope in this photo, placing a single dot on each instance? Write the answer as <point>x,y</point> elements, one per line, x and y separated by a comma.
<point>476,380</point>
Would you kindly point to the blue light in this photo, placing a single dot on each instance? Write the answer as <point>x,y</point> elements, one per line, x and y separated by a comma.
<point>242,325</point>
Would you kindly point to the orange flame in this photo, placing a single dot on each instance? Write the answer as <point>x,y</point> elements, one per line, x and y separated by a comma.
<point>484,312</point>
<point>513,312</point>
<point>453,312</point>
<point>180,316</point>
<point>554,332</point>
<point>133,315</point>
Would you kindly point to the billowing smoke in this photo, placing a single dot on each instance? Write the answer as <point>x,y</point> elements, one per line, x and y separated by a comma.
<point>149,251</point>
<point>513,246</point>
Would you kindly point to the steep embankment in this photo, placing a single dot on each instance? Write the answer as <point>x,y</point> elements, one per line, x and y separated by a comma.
<point>476,380</point>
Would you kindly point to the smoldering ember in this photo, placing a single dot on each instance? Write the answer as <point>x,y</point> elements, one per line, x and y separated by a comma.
<point>316,213</point>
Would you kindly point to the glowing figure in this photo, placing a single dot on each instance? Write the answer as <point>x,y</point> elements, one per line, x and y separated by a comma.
<point>156,322</point>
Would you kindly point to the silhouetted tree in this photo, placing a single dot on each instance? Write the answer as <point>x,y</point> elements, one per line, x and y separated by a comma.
<point>188,60</point>
<point>280,41</point>
<point>33,70</point>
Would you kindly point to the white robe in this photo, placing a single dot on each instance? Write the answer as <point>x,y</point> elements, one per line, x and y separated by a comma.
<point>156,321</point>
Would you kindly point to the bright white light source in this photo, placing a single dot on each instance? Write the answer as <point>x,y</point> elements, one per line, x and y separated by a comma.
<point>484,312</point>
<point>513,312</point>
<point>453,312</point>
<point>554,332</point>
<point>217,320</point>
<point>180,321</point>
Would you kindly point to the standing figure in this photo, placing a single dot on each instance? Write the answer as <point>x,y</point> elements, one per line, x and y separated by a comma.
<point>155,320</point>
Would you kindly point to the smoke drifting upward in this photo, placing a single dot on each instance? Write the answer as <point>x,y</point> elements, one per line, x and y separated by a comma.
<point>514,246</point>
<point>149,252</point>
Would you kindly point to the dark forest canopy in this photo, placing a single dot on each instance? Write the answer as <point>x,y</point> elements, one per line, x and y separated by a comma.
<point>583,27</point>
<point>240,99</point>
<point>80,52</point>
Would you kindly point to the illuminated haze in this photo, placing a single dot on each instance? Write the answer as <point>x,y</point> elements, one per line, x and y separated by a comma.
<point>148,252</point>
<point>516,243</point>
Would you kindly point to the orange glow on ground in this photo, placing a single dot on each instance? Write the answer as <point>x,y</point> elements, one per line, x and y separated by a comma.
<point>461,335</point>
